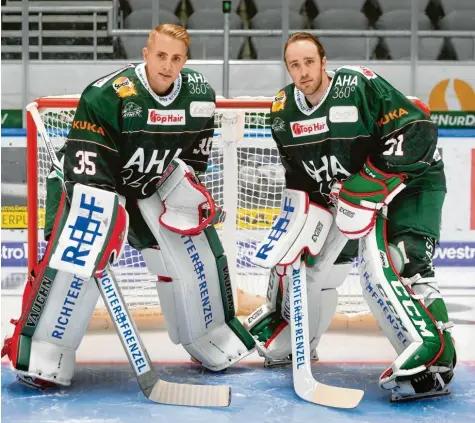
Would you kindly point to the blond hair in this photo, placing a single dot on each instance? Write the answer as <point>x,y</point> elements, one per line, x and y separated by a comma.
<point>300,36</point>
<point>174,31</point>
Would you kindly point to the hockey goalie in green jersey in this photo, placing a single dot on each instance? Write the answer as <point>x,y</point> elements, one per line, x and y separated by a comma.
<point>354,146</point>
<point>140,138</point>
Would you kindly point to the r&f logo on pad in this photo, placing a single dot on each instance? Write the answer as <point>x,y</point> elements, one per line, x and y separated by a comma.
<point>279,228</point>
<point>84,232</point>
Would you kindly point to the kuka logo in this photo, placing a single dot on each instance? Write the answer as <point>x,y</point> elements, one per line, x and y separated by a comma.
<point>88,126</point>
<point>395,114</point>
<point>309,127</point>
<point>453,94</point>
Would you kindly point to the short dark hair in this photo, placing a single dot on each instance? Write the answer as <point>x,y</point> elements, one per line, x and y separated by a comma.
<point>299,36</point>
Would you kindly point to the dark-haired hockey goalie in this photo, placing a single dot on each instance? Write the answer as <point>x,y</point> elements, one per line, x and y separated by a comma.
<point>361,164</point>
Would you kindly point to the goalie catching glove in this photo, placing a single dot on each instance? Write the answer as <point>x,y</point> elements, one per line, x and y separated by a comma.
<point>359,198</point>
<point>198,211</point>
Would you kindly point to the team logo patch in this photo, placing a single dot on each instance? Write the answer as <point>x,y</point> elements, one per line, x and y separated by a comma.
<point>279,101</point>
<point>124,87</point>
<point>131,109</point>
<point>342,114</point>
<point>166,117</point>
<point>202,108</point>
<point>304,128</point>
<point>368,73</point>
<point>278,125</point>
<point>106,78</point>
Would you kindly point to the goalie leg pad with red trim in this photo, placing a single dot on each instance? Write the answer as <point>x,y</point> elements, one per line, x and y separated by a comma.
<point>88,234</point>
<point>56,310</point>
<point>411,328</point>
<point>196,291</point>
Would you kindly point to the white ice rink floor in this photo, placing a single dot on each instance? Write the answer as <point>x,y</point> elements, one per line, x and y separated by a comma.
<point>105,391</point>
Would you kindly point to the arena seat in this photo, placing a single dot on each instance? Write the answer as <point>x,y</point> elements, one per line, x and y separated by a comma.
<point>212,47</point>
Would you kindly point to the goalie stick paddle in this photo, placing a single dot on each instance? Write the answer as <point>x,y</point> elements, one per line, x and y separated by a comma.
<point>305,385</point>
<point>154,388</point>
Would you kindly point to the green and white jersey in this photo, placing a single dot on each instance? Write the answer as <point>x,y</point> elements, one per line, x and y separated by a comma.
<point>361,115</point>
<point>124,135</point>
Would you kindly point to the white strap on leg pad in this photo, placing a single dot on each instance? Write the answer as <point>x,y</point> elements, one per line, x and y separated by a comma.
<point>93,233</point>
<point>403,320</point>
<point>61,327</point>
<point>195,303</point>
<point>271,302</point>
<point>185,199</point>
<point>300,226</point>
<point>156,264</point>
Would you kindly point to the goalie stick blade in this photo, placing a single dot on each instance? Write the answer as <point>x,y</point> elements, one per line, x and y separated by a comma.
<point>305,385</point>
<point>333,396</point>
<point>193,395</point>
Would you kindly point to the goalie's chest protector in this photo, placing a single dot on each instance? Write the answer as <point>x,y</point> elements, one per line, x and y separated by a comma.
<point>157,129</point>
<point>331,140</point>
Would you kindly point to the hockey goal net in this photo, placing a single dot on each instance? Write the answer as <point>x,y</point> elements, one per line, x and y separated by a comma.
<point>244,175</point>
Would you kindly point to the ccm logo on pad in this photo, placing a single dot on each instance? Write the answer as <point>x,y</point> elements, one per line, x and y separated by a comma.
<point>166,117</point>
<point>309,127</point>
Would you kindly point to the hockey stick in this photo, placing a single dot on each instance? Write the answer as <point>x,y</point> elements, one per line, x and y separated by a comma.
<point>152,386</point>
<point>305,385</point>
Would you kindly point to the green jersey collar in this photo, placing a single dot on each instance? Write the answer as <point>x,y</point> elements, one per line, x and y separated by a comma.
<point>165,100</point>
<point>302,102</point>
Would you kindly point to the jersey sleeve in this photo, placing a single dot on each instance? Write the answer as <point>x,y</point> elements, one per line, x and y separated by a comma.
<point>91,152</point>
<point>408,137</point>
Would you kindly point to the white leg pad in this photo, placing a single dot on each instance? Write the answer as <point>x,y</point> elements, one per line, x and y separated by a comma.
<point>61,327</point>
<point>196,311</point>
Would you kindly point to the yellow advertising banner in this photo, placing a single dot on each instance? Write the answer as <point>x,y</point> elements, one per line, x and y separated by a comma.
<point>16,217</point>
<point>256,218</point>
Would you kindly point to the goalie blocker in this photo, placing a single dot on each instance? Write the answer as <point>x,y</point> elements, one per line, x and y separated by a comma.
<point>60,294</point>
